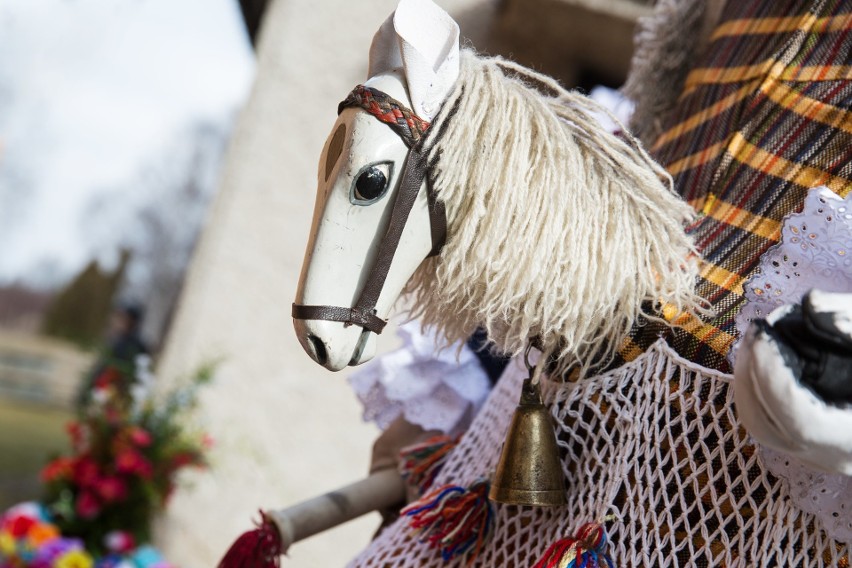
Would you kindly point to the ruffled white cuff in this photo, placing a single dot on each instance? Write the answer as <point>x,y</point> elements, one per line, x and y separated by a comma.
<point>437,390</point>
<point>802,438</point>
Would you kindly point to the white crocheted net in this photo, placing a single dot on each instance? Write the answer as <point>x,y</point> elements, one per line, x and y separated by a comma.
<point>815,252</point>
<point>437,390</point>
<point>656,444</point>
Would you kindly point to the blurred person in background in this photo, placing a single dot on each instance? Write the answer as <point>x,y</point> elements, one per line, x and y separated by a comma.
<point>116,367</point>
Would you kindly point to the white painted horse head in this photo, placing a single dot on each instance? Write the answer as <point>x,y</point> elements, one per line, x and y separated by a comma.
<point>414,62</point>
<point>555,228</point>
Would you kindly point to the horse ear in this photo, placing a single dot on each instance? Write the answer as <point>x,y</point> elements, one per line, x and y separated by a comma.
<point>422,39</point>
<point>384,52</point>
<point>429,47</point>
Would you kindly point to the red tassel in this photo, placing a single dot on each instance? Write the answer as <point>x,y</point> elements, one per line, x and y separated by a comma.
<point>257,548</point>
<point>586,549</point>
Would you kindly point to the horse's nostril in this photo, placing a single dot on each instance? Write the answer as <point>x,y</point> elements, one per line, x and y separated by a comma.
<point>319,349</point>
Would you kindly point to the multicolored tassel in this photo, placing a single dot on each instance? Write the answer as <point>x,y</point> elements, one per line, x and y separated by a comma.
<point>456,520</point>
<point>258,548</point>
<point>420,463</point>
<point>586,549</point>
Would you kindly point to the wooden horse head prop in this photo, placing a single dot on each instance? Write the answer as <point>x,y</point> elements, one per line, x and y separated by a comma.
<point>493,196</point>
<point>373,223</point>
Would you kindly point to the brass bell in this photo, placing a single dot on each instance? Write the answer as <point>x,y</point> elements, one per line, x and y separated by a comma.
<point>529,471</point>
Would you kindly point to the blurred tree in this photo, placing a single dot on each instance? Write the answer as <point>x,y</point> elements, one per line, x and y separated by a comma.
<point>81,310</point>
<point>22,306</point>
<point>158,218</point>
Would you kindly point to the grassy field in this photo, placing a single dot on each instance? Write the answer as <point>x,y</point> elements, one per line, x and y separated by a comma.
<point>29,434</point>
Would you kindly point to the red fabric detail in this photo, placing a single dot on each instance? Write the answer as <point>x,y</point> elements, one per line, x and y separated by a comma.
<point>258,548</point>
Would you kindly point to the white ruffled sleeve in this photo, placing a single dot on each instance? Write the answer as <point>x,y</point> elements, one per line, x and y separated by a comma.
<point>815,252</point>
<point>437,390</point>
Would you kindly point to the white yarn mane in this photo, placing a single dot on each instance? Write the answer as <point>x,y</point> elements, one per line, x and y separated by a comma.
<point>557,228</point>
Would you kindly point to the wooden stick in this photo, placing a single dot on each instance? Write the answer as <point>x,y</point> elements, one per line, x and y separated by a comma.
<point>378,491</point>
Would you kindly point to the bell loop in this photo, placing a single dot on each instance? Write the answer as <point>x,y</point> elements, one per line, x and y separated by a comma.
<point>530,393</point>
<point>530,366</point>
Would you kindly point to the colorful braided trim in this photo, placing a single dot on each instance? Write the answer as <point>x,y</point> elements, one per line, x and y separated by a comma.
<point>400,118</point>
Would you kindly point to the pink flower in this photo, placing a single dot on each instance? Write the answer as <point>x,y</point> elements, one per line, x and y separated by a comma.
<point>119,541</point>
<point>131,461</point>
<point>140,437</point>
<point>88,506</point>
<point>112,489</point>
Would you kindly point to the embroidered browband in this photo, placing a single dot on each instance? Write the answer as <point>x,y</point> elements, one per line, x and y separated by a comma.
<point>401,119</point>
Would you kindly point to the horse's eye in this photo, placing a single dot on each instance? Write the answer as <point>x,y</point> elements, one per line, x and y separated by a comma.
<point>371,184</point>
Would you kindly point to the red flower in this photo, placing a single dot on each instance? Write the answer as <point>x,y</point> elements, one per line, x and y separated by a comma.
<point>86,472</point>
<point>183,459</point>
<point>77,432</point>
<point>19,525</point>
<point>60,468</point>
<point>131,461</point>
<point>109,376</point>
<point>112,489</point>
<point>114,415</point>
<point>140,437</point>
<point>88,506</point>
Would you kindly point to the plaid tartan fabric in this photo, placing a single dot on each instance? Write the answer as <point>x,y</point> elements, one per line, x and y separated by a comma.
<point>765,116</point>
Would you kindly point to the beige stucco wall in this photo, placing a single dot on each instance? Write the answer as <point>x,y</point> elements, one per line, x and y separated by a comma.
<point>285,429</point>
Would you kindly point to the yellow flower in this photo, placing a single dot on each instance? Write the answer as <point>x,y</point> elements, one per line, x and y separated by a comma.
<point>7,544</point>
<point>74,559</point>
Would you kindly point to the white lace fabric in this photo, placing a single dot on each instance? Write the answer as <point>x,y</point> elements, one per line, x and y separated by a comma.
<point>824,495</point>
<point>654,447</point>
<point>437,390</point>
<point>815,251</point>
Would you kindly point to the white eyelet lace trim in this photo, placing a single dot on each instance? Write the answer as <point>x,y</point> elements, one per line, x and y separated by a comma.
<point>437,390</point>
<point>815,252</point>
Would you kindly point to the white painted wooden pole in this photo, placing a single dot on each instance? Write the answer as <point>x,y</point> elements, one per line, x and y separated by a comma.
<point>378,491</point>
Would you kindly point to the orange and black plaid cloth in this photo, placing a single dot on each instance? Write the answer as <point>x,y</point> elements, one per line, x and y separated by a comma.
<point>765,116</point>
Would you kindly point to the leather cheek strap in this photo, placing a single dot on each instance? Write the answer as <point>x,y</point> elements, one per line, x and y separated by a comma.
<point>437,218</point>
<point>364,312</point>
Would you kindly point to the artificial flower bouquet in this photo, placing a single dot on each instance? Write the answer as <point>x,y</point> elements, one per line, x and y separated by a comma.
<point>127,447</point>
<point>28,539</point>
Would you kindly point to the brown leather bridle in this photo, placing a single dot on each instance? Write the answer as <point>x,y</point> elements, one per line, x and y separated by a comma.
<point>411,129</point>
